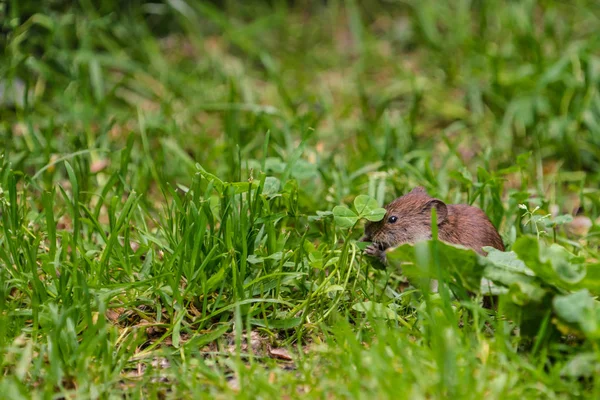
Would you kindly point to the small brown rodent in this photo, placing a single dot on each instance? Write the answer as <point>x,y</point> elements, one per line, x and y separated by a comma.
<point>408,220</point>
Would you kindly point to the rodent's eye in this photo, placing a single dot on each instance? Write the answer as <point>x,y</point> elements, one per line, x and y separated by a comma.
<point>392,219</point>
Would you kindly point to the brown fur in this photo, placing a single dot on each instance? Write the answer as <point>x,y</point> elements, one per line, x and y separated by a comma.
<point>457,224</point>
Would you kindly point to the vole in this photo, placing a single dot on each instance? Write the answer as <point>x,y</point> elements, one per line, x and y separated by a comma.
<point>408,220</point>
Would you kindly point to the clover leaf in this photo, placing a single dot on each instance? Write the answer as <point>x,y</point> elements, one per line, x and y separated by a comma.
<point>365,206</point>
<point>344,217</point>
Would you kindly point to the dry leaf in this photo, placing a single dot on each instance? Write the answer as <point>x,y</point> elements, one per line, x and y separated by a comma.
<point>113,314</point>
<point>258,344</point>
<point>280,353</point>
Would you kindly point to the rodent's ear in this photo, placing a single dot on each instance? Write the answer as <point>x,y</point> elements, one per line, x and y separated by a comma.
<point>419,189</point>
<point>440,207</point>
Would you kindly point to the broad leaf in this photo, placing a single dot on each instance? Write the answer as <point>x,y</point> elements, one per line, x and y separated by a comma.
<point>592,279</point>
<point>364,203</point>
<point>553,264</point>
<point>456,262</point>
<point>271,186</point>
<point>560,220</point>
<point>581,365</point>
<point>367,207</point>
<point>580,310</point>
<point>506,260</point>
<point>320,215</point>
<point>375,215</point>
<point>505,269</point>
<point>344,217</point>
<point>302,169</point>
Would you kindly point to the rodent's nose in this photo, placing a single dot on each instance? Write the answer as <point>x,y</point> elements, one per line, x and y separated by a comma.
<point>365,238</point>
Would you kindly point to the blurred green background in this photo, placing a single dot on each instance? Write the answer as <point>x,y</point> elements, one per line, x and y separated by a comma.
<point>479,82</point>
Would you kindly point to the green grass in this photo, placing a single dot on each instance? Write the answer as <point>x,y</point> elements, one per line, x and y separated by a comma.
<point>169,173</point>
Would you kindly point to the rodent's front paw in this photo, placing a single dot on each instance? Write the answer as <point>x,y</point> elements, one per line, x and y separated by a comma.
<point>372,250</point>
<point>375,251</point>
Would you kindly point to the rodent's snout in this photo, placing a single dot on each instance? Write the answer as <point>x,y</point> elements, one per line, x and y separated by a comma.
<point>365,238</point>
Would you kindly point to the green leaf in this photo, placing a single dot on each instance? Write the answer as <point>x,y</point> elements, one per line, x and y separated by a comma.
<point>560,220</point>
<point>271,186</point>
<point>243,187</point>
<point>460,264</point>
<point>315,259</point>
<point>176,335</point>
<point>274,164</point>
<point>344,217</point>
<point>364,203</point>
<point>254,259</point>
<point>507,260</point>
<point>320,215</point>
<point>581,365</point>
<point>202,340</point>
<point>523,159</point>
<point>367,207</point>
<point>592,279</point>
<point>219,184</point>
<point>579,309</point>
<point>462,176</point>
<point>215,279</point>
<point>334,288</point>
<point>375,215</point>
<point>376,310</point>
<point>553,264</point>
<point>287,323</point>
<point>302,169</point>
<point>361,245</point>
<point>505,269</point>
<point>522,289</point>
